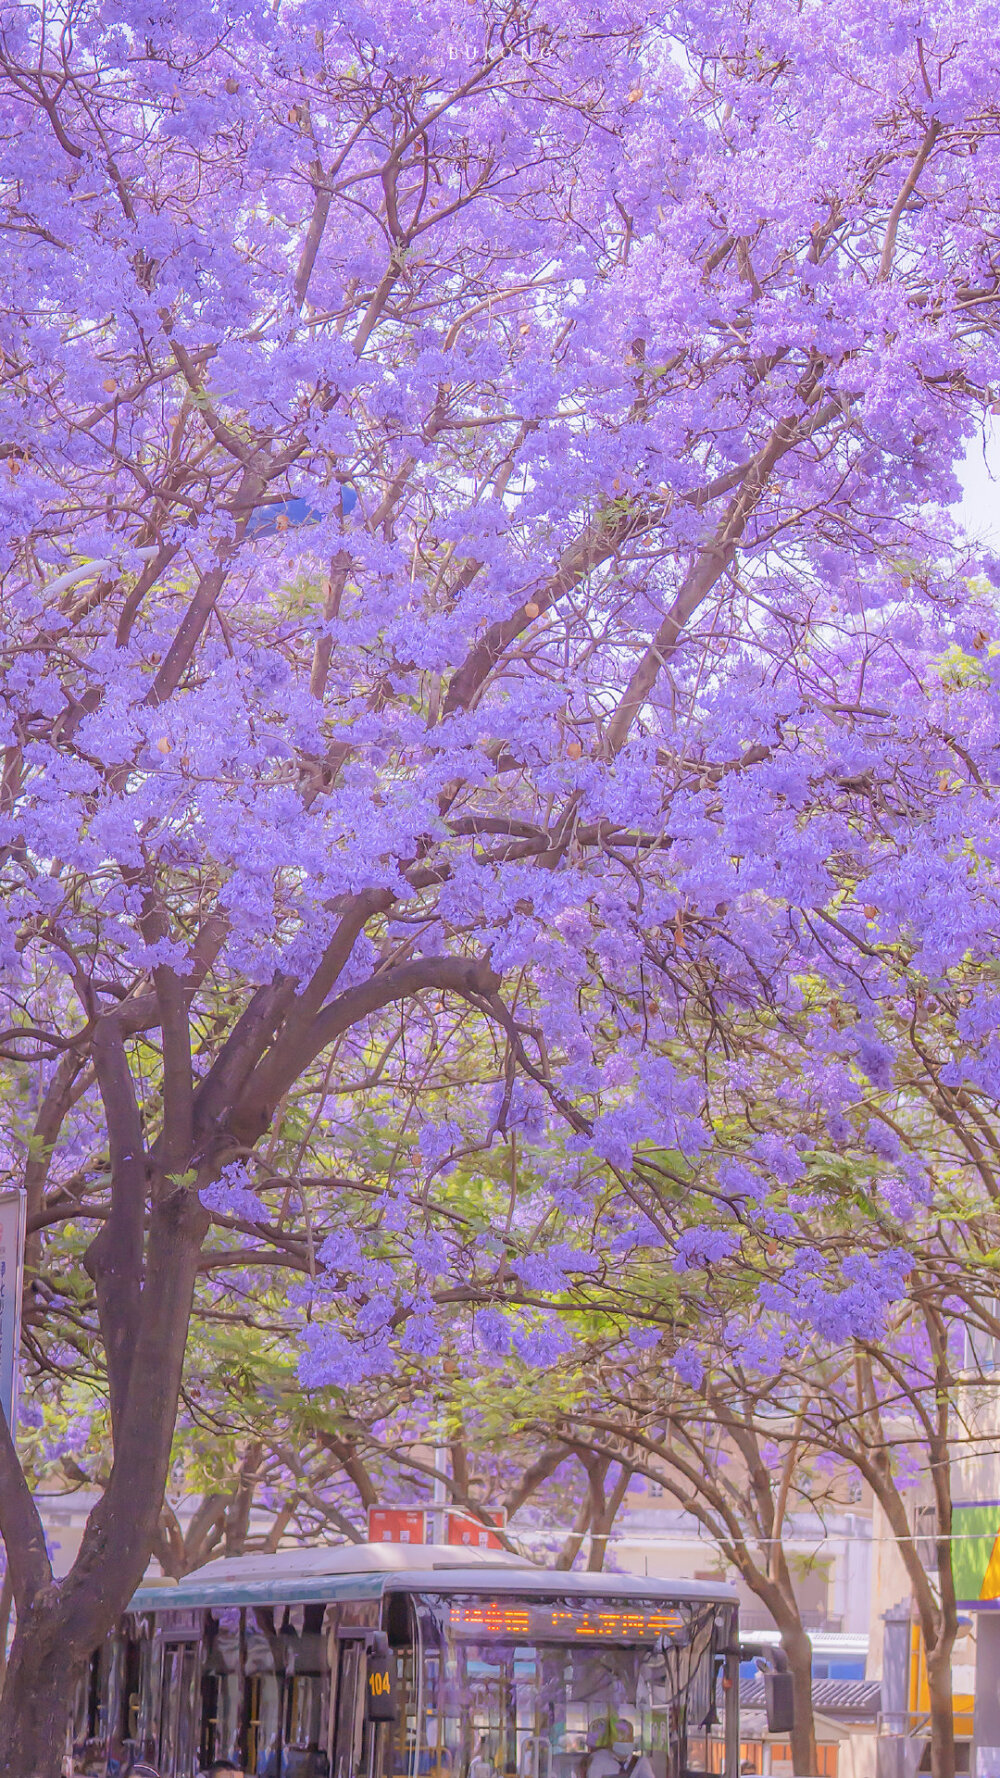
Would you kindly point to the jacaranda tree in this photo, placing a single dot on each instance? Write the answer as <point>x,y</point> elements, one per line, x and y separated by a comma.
<point>465,469</point>
<point>854,1133</point>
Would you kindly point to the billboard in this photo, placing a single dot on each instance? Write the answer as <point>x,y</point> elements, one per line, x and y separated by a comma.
<point>975,1552</point>
<point>463,1528</point>
<point>396,1524</point>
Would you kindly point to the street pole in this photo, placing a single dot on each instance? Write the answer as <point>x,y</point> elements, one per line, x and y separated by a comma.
<point>13,1219</point>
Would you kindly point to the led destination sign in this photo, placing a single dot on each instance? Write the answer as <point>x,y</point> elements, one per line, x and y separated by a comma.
<point>524,1620</point>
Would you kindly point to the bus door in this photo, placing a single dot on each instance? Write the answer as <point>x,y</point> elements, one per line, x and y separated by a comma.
<point>366,1702</point>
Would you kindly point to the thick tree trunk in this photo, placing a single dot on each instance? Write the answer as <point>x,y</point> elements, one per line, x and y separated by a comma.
<point>798,1648</point>
<point>38,1693</point>
<point>59,1623</point>
<point>942,1715</point>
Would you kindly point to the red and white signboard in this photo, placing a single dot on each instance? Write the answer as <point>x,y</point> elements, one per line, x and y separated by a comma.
<point>396,1524</point>
<point>462,1528</point>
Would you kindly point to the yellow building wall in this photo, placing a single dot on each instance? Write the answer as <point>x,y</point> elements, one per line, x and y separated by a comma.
<point>920,1701</point>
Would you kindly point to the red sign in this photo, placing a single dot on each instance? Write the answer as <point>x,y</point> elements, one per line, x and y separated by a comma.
<point>396,1524</point>
<point>462,1528</point>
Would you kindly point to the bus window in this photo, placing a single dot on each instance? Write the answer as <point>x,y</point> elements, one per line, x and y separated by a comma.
<point>307,1694</point>
<point>89,1719</point>
<point>94,1690</point>
<point>263,1688</point>
<point>149,1694</point>
<point>361,1746</point>
<point>349,1731</point>
<point>131,1690</point>
<point>400,1623</point>
<point>221,1689</point>
<point>178,1709</point>
<point>561,1689</point>
<point>304,1753</point>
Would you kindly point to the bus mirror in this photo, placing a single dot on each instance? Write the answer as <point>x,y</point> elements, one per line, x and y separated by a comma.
<point>779,1703</point>
<point>380,1687</point>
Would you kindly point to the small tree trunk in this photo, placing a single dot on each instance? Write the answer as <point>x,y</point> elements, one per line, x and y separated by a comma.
<point>798,1648</point>
<point>41,1674</point>
<point>604,1523</point>
<point>237,1520</point>
<point>942,1715</point>
<point>573,1543</point>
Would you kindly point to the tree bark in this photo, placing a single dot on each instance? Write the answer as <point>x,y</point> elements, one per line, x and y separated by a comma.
<point>941,1712</point>
<point>59,1623</point>
<point>573,1542</point>
<point>238,1511</point>
<point>603,1525</point>
<point>43,1669</point>
<point>798,1648</point>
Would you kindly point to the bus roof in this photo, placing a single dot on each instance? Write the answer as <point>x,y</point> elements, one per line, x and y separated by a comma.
<point>367,1570</point>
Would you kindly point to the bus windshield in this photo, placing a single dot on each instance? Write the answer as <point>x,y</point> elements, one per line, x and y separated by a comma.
<point>559,1688</point>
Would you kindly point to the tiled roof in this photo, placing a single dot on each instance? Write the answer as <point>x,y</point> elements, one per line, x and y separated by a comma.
<point>833,1697</point>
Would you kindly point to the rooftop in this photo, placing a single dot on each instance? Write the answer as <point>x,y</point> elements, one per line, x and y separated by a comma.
<point>859,1699</point>
<point>357,1570</point>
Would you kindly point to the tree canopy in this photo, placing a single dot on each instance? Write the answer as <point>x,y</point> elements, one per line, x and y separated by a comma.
<point>485,656</point>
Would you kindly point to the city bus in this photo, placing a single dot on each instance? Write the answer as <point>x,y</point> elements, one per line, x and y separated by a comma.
<point>395,1661</point>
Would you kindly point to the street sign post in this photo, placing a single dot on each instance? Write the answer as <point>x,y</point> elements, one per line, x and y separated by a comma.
<point>12,1227</point>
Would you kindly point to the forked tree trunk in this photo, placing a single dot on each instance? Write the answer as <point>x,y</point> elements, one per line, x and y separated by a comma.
<point>604,1524</point>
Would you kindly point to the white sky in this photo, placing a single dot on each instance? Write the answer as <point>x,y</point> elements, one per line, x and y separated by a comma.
<point>979,508</point>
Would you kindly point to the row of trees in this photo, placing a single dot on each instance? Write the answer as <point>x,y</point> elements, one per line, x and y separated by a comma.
<point>656,1380</point>
<point>538,919</point>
